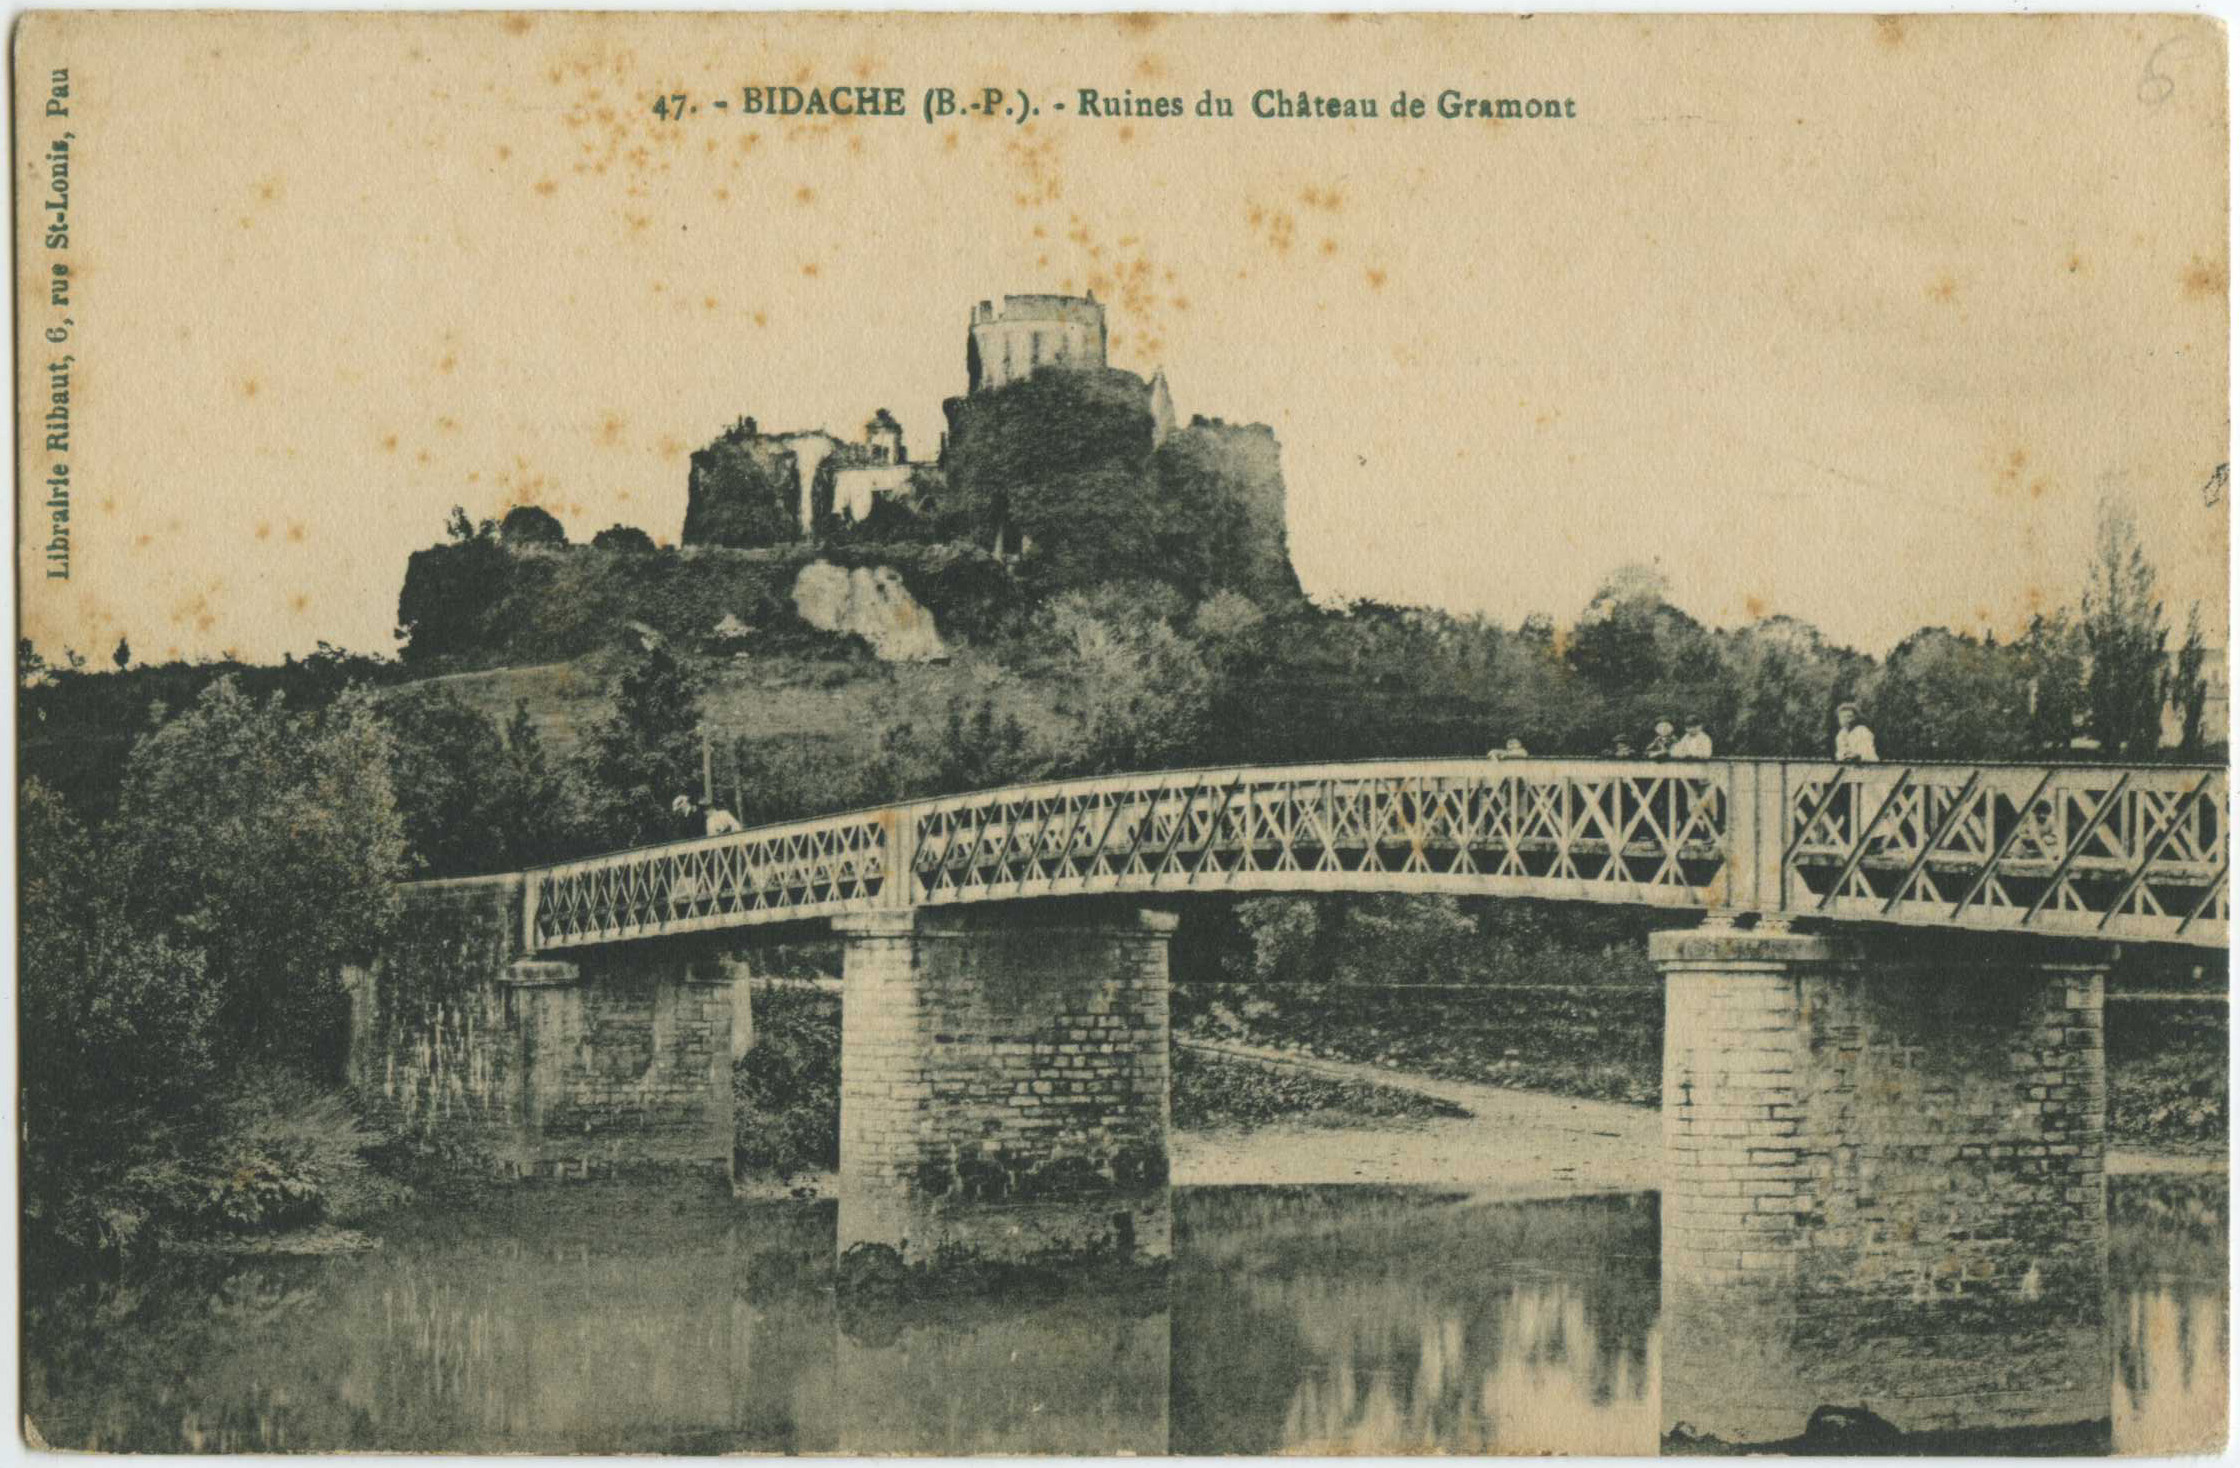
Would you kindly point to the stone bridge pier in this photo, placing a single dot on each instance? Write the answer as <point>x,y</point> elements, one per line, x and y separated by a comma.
<point>1004,1082</point>
<point>1884,1186</point>
<point>615,1060</point>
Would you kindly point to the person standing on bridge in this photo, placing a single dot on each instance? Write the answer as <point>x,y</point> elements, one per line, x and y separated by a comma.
<point>1854,740</point>
<point>1695,744</point>
<point>1660,743</point>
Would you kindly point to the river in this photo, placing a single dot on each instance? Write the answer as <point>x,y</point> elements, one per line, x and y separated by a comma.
<point>1296,1319</point>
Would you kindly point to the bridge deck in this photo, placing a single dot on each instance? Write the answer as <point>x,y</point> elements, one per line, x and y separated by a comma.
<point>2106,852</point>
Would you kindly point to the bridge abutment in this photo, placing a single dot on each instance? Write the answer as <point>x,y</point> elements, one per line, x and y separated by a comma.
<point>1004,1083</point>
<point>616,1061</point>
<point>1884,1186</point>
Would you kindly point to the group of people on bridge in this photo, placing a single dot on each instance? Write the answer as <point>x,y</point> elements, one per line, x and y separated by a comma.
<point>1854,742</point>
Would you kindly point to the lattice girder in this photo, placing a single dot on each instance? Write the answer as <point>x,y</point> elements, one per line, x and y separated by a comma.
<point>2138,853</point>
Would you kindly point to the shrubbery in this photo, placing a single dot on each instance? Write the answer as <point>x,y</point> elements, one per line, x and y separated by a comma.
<point>786,1090</point>
<point>184,955</point>
<point>1215,1091</point>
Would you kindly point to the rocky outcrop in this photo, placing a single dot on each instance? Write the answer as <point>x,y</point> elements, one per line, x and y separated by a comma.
<point>872,603</point>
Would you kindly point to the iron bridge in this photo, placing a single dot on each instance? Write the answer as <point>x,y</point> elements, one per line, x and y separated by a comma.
<point>2099,852</point>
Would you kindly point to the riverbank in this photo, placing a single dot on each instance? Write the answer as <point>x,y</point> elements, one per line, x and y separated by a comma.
<point>1513,1144</point>
<point>2166,1055</point>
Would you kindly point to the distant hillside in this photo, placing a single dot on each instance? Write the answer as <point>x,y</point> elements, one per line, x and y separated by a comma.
<point>1060,481</point>
<point>475,602</point>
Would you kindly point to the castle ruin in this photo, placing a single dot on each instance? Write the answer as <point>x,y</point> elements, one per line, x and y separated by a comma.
<point>749,487</point>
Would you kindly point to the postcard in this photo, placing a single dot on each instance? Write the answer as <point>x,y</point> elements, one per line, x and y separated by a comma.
<point>1115,734</point>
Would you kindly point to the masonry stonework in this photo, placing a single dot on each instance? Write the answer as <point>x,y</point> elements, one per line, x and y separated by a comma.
<point>1885,1186</point>
<point>619,1063</point>
<point>1004,1082</point>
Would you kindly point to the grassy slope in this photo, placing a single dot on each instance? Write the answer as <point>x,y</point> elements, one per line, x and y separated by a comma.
<point>787,695</point>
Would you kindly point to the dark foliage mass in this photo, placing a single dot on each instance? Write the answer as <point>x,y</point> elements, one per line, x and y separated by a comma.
<point>473,798</point>
<point>626,540</point>
<point>786,1090</point>
<point>76,728</point>
<point>744,491</point>
<point>1060,458</point>
<point>181,972</point>
<point>1213,1090</point>
<point>527,525</point>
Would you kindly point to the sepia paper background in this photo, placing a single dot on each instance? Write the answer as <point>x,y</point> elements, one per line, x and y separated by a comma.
<point>1855,319</point>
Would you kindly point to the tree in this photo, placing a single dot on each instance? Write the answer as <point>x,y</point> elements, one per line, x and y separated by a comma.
<point>2053,659</point>
<point>1790,681</point>
<point>2189,686</point>
<point>272,842</point>
<point>115,1019</point>
<point>645,753</point>
<point>443,757</point>
<point>122,657</point>
<point>623,539</point>
<point>1140,692</point>
<point>526,525</point>
<point>528,802</point>
<point>975,749</point>
<point>1944,695</point>
<point>1647,660</point>
<point>2123,628</point>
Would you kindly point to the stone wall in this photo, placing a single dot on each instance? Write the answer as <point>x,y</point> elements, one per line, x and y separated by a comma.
<point>1004,1082</point>
<point>540,1068</point>
<point>1884,1188</point>
<point>628,1063</point>
<point>434,1038</point>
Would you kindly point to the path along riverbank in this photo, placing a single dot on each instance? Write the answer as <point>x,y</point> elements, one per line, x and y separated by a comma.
<point>1513,1145</point>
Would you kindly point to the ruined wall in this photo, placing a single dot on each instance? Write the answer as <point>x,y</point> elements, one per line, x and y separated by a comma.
<point>1004,1087</point>
<point>434,1040</point>
<point>628,1064</point>
<point>540,1068</point>
<point>1885,1187</point>
<point>744,489</point>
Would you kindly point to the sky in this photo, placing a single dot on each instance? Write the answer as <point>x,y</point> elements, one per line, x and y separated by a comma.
<point>1854,320</point>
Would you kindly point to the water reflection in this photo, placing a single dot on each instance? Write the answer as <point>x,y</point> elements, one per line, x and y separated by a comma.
<point>1296,1320</point>
<point>1353,1320</point>
<point>2167,1243</point>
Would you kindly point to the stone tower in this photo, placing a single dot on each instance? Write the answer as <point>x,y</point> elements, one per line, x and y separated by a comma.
<point>1007,343</point>
<point>882,437</point>
<point>1162,408</point>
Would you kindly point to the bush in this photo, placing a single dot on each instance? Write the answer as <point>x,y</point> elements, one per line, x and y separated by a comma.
<point>786,1090</point>
<point>272,841</point>
<point>624,540</point>
<point>528,525</point>
<point>1215,1091</point>
<point>2168,1088</point>
<point>285,1153</point>
<point>275,1151</point>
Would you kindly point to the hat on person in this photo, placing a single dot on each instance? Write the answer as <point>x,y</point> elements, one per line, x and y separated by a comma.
<point>1847,708</point>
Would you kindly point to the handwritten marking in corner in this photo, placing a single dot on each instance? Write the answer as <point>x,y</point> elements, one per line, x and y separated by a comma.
<point>2155,85</point>
<point>2212,493</point>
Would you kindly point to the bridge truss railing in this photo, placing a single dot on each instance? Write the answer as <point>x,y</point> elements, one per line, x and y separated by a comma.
<point>2092,851</point>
